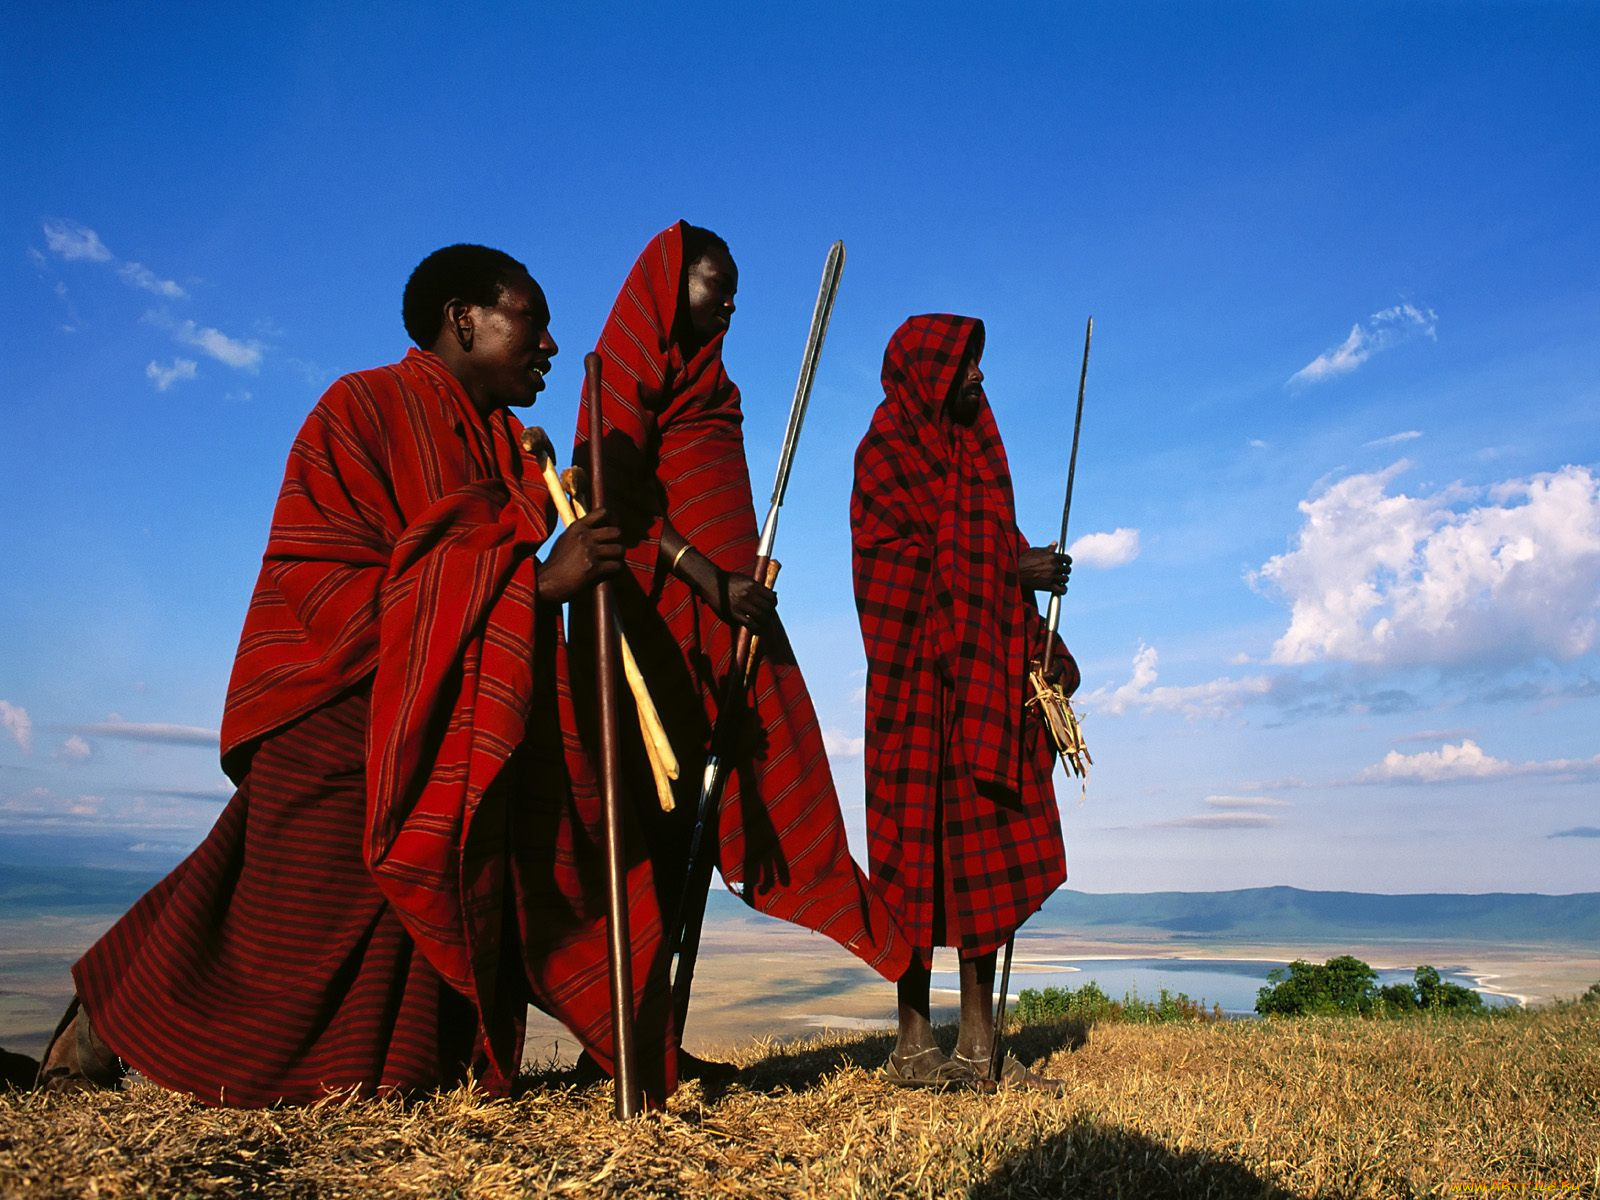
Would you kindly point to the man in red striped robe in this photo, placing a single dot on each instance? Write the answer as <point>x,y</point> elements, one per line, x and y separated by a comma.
<point>964,836</point>
<point>674,424</point>
<point>409,859</point>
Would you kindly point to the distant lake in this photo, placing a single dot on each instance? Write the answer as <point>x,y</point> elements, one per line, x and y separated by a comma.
<point>1232,983</point>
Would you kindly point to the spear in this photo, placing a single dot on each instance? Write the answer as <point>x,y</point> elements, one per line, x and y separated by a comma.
<point>629,1092</point>
<point>1052,622</point>
<point>692,907</point>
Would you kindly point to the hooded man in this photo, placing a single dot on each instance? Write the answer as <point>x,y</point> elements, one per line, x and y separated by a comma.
<point>674,427</point>
<point>409,858</point>
<point>963,833</point>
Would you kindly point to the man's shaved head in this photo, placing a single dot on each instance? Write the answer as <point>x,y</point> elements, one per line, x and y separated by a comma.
<point>474,274</point>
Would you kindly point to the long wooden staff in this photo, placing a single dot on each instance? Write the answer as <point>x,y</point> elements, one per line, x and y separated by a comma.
<point>629,1092</point>
<point>1052,622</point>
<point>692,906</point>
<point>657,747</point>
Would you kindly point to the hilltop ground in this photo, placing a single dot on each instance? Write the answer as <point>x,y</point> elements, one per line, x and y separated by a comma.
<point>1301,1108</point>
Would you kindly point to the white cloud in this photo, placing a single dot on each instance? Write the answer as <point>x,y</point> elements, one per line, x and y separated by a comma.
<point>1105,549</point>
<point>842,745</point>
<point>1257,444</point>
<point>1394,439</point>
<point>1466,761</point>
<point>136,731</point>
<point>165,377</point>
<point>1203,699</point>
<point>141,276</point>
<point>74,242</point>
<point>75,749</point>
<point>1382,331</point>
<point>1218,820</point>
<point>1245,802</point>
<point>243,355</point>
<point>18,724</point>
<point>1432,580</point>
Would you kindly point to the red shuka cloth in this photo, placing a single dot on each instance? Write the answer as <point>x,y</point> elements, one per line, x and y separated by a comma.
<point>399,577</point>
<point>677,426</point>
<point>964,835</point>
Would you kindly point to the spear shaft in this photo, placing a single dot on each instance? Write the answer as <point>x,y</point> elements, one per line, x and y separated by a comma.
<point>1052,620</point>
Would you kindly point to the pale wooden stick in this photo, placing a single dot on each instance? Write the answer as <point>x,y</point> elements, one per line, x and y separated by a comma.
<point>658,749</point>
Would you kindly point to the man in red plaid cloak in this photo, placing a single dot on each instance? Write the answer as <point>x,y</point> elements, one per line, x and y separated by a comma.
<point>408,859</point>
<point>963,832</point>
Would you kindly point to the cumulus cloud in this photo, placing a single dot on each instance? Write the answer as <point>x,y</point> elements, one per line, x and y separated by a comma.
<point>168,735</point>
<point>75,749</point>
<point>841,745</point>
<point>141,276</point>
<point>235,352</point>
<point>1382,331</point>
<point>1467,761</point>
<point>74,242</point>
<point>1142,693</point>
<point>1112,549</point>
<point>1399,580</point>
<point>18,724</point>
<point>165,377</point>
<point>1394,439</point>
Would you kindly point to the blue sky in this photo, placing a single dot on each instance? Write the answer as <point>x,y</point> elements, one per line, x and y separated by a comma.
<point>1340,472</point>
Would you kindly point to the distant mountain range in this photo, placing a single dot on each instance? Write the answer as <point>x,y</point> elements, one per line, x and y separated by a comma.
<point>1289,916</point>
<point>1273,915</point>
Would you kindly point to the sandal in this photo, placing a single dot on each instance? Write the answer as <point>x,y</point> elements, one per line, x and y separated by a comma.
<point>75,1059</point>
<point>1012,1073</point>
<point>928,1068</point>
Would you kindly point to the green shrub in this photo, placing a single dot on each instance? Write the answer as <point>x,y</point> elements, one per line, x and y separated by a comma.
<point>1348,985</point>
<point>1090,1004</point>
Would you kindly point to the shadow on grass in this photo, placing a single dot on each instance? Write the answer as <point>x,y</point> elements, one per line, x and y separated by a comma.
<point>808,1064</point>
<point>1090,1160</point>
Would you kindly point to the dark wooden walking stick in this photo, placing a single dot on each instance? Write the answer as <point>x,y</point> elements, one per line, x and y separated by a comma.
<point>625,1069</point>
<point>1052,622</point>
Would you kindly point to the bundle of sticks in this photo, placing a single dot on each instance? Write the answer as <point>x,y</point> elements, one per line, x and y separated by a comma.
<point>663,763</point>
<point>1061,721</point>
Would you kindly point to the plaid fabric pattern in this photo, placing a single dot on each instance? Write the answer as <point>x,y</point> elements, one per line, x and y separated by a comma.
<point>401,564</point>
<point>964,836</point>
<point>676,425</point>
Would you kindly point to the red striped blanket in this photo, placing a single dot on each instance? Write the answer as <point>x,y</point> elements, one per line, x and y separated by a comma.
<point>400,573</point>
<point>677,425</point>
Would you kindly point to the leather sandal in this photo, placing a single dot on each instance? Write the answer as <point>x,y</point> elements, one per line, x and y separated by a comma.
<point>1012,1073</point>
<point>75,1059</point>
<point>928,1068</point>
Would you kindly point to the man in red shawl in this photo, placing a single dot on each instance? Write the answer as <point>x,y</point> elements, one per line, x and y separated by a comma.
<point>409,858</point>
<point>964,836</point>
<point>673,423</point>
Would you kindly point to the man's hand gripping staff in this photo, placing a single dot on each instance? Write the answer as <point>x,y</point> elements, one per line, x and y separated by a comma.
<point>663,763</point>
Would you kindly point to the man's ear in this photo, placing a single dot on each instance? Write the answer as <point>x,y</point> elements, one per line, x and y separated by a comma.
<point>458,322</point>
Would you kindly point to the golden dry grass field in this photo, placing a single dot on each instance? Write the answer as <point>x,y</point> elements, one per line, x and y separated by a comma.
<point>1307,1107</point>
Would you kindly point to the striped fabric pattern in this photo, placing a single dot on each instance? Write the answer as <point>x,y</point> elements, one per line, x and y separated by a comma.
<point>401,566</point>
<point>674,431</point>
<point>964,836</point>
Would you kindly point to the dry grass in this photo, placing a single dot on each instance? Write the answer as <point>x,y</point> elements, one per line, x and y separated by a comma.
<point>1315,1107</point>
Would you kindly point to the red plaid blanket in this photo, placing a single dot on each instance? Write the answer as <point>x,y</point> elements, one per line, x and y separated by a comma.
<point>965,839</point>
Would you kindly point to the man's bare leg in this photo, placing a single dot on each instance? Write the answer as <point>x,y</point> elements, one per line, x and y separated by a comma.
<point>975,1041</point>
<point>916,1060</point>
